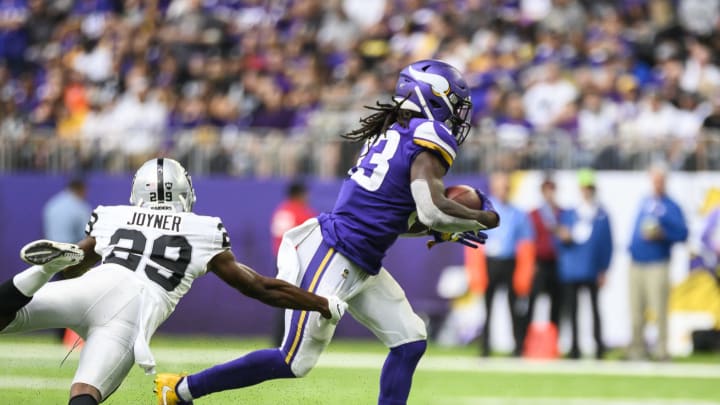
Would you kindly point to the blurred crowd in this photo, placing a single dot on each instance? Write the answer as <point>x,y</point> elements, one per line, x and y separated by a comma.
<point>265,87</point>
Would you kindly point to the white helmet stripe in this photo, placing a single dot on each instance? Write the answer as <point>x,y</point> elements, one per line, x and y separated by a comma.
<point>428,113</point>
<point>407,104</point>
<point>448,103</point>
<point>438,83</point>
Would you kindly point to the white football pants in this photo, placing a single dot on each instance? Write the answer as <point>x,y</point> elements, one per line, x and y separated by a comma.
<point>377,302</point>
<point>102,306</point>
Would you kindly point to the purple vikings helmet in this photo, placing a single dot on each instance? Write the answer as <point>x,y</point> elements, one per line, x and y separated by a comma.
<point>437,90</point>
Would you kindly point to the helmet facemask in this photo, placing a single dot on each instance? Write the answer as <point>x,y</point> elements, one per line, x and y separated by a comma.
<point>188,198</point>
<point>459,121</point>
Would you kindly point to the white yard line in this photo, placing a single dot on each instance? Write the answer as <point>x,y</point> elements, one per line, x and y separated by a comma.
<point>572,401</point>
<point>173,356</point>
<point>62,384</point>
<point>587,367</point>
<point>34,383</point>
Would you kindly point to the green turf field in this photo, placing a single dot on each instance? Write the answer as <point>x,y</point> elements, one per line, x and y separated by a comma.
<point>348,374</point>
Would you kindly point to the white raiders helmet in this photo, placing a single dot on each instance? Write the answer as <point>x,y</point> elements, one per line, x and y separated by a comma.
<point>163,184</point>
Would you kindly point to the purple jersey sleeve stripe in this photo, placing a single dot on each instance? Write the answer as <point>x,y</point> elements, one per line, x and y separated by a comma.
<point>299,326</point>
<point>435,147</point>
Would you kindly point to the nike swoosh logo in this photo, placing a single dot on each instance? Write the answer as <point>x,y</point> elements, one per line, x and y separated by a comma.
<point>165,390</point>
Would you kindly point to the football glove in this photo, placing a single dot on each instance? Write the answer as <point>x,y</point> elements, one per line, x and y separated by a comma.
<point>337,309</point>
<point>486,204</point>
<point>468,238</point>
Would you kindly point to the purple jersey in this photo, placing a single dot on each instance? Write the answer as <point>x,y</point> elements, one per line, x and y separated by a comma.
<point>375,202</point>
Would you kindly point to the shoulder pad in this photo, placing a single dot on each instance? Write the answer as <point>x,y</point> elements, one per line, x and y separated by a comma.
<point>436,137</point>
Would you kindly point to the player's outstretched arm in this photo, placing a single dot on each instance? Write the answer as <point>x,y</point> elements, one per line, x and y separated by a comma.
<point>269,290</point>
<point>437,211</point>
<point>88,247</point>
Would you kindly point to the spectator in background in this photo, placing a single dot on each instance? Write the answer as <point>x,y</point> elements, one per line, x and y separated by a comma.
<point>550,100</point>
<point>655,119</point>
<point>658,225</point>
<point>628,97</point>
<point>565,16</point>
<point>513,131</point>
<point>545,220</point>
<point>94,61</point>
<point>13,38</point>
<point>506,260</point>
<point>698,16</point>
<point>584,252</point>
<point>66,213</point>
<point>289,214</point>
<point>689,118</point>
<point>700,74</point>
<point>701,157</point>
<point>711,123</point>
<point>597,123</point>
<point>138,120</point>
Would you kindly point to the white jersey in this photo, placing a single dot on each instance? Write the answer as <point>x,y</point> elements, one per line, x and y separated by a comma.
<point>166,250</point>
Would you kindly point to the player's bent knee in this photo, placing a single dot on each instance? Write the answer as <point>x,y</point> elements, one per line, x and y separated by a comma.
<point>304,357</point>
<point>421,329</point>
<point>411,351</point>
<point>84,391</point>
<point>300,370</point>
<point>83,399</point>
<point>303,364</point>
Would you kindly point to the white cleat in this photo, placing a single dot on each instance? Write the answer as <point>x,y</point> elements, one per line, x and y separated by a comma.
<point>53,254</point>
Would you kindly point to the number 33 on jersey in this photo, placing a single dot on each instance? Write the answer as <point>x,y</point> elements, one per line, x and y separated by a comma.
<point>374,163</point>
<point>375,202</point>
<point>164,248</point>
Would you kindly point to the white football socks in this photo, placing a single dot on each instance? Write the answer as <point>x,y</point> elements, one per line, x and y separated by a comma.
<point>30,280</point>
<point>183,390</point>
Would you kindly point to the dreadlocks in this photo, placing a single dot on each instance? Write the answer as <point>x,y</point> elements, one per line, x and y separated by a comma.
<point>377,123</point>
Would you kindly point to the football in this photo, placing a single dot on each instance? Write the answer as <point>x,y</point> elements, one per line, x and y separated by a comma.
<point>465,195</point>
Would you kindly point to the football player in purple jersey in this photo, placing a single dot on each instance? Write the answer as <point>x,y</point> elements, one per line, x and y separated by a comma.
<point>409,146</point>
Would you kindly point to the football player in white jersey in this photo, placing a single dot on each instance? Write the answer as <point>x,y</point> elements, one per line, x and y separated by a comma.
<point>150,252</point>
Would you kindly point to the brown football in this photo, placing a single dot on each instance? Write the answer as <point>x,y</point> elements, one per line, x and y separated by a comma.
<point>465,195</point>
